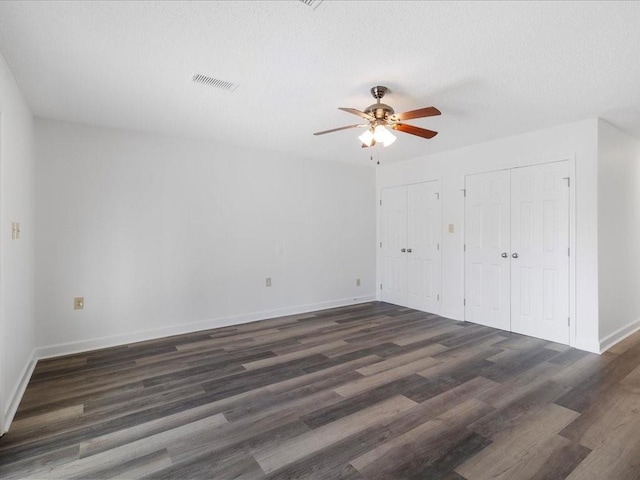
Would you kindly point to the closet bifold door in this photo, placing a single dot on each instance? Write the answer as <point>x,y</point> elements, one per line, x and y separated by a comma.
<point>393,218</point>
<point>410,229</point>
<point>486,250</point>
<point>540,251</point>
<point>423,247</point>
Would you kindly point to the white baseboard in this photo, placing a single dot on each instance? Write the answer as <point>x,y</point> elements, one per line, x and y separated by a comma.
<point>18,391</point>
<point>588,345</point>
<point>610,340</point>
<point>115,340</point>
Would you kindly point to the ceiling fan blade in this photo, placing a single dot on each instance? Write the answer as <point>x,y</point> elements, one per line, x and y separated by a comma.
<point>357,112</point>
<point>338,129</point>
<point>420,132</point>
<point>420,113</point>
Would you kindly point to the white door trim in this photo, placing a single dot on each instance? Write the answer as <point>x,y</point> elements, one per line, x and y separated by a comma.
<point>3,347</point>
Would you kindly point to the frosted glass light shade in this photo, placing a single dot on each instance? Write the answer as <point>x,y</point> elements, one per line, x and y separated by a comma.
<point>384,136</point>
<point>366,138</point>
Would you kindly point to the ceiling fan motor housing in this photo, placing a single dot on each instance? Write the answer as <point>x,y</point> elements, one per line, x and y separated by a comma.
<point>379,111</point>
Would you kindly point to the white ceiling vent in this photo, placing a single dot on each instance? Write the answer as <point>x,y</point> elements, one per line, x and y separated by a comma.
<point>214,82</point>
<point>312,3</point>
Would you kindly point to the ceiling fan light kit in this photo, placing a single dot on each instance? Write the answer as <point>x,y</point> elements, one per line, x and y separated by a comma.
<point>380,116</point>
<point>379,134</point>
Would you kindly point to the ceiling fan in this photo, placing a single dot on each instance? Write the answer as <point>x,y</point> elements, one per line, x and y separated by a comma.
<point>379,116</point>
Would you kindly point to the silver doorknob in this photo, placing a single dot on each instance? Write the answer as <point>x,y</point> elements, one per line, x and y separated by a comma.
<point>515,255</point>
<point>403,250</point>
<point>504,255</point>
<point>409,250</point>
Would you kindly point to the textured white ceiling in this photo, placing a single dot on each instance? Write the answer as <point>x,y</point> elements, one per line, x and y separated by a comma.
<point>494,69</point>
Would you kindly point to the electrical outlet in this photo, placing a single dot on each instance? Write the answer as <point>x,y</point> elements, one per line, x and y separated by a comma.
<point>269,282</point>
<point>357,282</point>
<point>78,303</point>
<point>451,228</point>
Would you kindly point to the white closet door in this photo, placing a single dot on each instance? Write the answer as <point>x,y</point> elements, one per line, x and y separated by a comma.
<point>394,244</point>
<point>487,232</point>
<point>423,247</point>
<point>540,248</point>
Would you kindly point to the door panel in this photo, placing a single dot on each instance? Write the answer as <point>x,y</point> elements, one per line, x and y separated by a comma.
<point>423,254</point>
<point>487,237</point>
<point>540,238</point>
<point>394,239</point>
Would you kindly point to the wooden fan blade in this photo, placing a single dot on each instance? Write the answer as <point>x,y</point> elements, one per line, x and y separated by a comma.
<point>341,128</point>
<point>420,132</point>
<point>420,113</point>
<point>357,112</point>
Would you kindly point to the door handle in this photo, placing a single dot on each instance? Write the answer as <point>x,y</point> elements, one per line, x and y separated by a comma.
<point>515,255</point>
<point>409,250</point>
<point>403,250</point>
<point>504,255</point>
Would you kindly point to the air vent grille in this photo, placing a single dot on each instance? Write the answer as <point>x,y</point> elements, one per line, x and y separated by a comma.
<point>312,3</point>
<point>214,82</point>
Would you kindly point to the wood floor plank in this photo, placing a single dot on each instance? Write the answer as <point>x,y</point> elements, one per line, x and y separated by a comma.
<point>564,458</point>
<point>351,405</point>
<point>333,461</point>
<point>425,444</point>
<point>37,462</point>
<point>617,408</point>
<point>632,381</point>
<point>144,466</point>
<point>589,391</point>
<point>260,428</point>
<point>138,432</point>
<point>400,360</point>
<point>382,378</point>
<point>523,449</point>
<point>84,467</point>
<point>616,457</point>
<point>305,351</point>
<point>231,463</point>
<point>317,375</point>
<point>299,447</point>
<point>363,392</point>
<point>52,417</point>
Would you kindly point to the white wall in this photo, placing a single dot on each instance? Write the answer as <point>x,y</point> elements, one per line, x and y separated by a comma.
<point>574,141</point>
<point>167,235</point>
<point>17,337</point>
<point>618,233</point>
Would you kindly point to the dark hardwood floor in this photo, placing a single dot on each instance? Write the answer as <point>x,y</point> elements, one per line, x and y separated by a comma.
<point>372,391</point>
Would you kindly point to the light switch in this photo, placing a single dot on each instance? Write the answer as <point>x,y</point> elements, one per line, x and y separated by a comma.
<point>269,282</point>
<point>78,303</point>
<point>451,228</point>
<point>15,231</point>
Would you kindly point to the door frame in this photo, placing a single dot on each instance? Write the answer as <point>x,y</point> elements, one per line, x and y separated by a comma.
<point>571,161</point>
<point>3,349</point>
<point>379,236</point>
